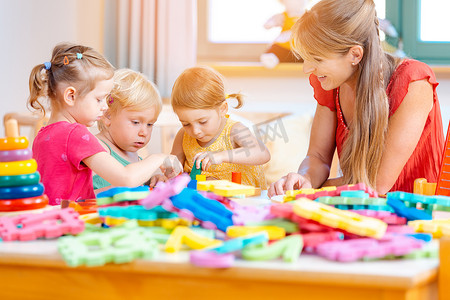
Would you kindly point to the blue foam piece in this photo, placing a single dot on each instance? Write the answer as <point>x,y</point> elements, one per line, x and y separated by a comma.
<point>239,243</point>
<point>421,236</point>
<point>24,191</point>
<point>118,190</point>
<point>407,212</point>
<point>203,208</point>
<point>137,212</point>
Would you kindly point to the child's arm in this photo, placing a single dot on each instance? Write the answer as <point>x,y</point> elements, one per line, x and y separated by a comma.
<point>248,150</point>
<point>134,174</point>
<point>177,147</point>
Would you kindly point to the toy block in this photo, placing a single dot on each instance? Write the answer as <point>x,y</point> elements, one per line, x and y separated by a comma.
<point>182,235</point>
<point>422,187</point>
<point>400,229</point>
<point>357,187</point>
<point>195,171</point>
<point>165,190</point>
<point>344,200</point>
<point>443,184</point>
<point>356,249</point>
<point>236,177</point>
<point>438,228</point>
<point>137,212</point>
<point>200,177</point>
<point>313,239</point>
<point>274,232</point>
<point>240,243</point>
<point>249,213</point>
<point>288,248</point>
<point>210,259</point>
<point>336,218</point>
<point>428,250</point>
<point>226,188</point>
<point>49,224</point>
<point>288,226</point>
<point>385,216</point>
<point>117,194</point>
<point>190,204</point>
<point>118,245</point>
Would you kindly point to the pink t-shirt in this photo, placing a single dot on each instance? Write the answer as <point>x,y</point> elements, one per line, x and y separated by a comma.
<point>59,149</point>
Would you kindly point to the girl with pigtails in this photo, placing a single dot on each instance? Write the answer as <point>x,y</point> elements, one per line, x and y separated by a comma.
<point>77,82</point>
<point>380,113</point>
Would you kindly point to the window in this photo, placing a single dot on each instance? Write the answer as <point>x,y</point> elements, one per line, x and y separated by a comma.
<point>423,26</point>
<point>233,30</point>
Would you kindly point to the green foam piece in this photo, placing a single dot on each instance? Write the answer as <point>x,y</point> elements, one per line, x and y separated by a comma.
<point>288,248</point>
<point>195,171</point>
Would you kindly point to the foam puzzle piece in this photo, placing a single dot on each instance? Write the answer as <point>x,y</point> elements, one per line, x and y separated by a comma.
<point>226,188</point>
<point>137,212</point>
<point>409,213</point>
<point>249,213</point>
<point>423,187</point>
<point>18,167</point>
<point>274,232</point>
<point>336,218</point>
<point>210,259</point>
<point>165,190</point>
<point>48,224</point>
<point>118,245</point>
<point>288,248</point>
<point>190,204</point>
<point>438,228</point>
<point>313,239</point>
<point>240,243</point>
<point>195,171</point>
<point>288,226</point>
<point>182,235</point>
<point>385,216</point>
<point>117,194</point>
<point>24,191</point>
<point>18,180</point>
<point>356,249</point>
<point>337,200</point>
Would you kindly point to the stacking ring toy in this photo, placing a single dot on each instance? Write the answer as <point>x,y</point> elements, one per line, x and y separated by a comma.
<point>23,179</point>
<point>13,143</point>
<point>24,204</point>
<point>18,167</point>
<point>24,191</point>
<point>15,155</point>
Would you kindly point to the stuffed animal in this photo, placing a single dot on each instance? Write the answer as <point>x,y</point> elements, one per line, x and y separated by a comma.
<point>280,49</point>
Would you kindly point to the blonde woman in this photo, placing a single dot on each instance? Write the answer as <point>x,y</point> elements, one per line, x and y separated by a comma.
<point>381,114</point>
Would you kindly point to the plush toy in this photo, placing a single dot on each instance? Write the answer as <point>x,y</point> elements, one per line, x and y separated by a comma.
<point>280,49</point>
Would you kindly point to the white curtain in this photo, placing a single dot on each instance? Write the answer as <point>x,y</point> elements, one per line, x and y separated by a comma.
<point>155,37</point>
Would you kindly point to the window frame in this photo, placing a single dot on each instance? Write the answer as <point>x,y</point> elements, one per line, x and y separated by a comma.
<point>405,16</point>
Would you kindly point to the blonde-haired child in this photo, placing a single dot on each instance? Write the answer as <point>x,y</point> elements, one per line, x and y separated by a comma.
<point>77,81</point>
<point>133,107</point>
<point>208,137</point>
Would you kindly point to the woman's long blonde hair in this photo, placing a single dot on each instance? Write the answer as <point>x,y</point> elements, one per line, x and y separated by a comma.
<point>201,88</point>
<point>75,65</point>
<point>334,26</point>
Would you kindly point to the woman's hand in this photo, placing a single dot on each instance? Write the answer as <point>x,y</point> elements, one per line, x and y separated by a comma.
<point>207,159</point>
<point>292,181</point>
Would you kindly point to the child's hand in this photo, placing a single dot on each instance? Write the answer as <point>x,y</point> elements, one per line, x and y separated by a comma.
<point>171,166</point>
<point>207,159</point>
<point>157,178</point>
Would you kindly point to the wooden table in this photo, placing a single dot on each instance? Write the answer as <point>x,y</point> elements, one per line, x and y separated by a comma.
<point>35,270</point>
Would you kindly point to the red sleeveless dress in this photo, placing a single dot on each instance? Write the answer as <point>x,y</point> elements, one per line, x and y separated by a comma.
<point>425,161</point>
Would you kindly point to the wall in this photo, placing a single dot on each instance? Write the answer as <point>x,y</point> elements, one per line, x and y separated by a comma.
<point>29,30</point>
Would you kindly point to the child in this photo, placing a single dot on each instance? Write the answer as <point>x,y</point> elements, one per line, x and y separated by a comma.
<point>126,127</point>
<point>208,137</point>
<point>77,82</point>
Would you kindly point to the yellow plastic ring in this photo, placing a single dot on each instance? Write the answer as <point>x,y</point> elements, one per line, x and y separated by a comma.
<point>13,143</point>
<point>18,167</point>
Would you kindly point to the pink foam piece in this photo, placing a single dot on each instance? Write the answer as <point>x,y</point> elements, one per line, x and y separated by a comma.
<point>385,216</point>
<point>165,190</point>
<point>402,229</point>
<point>186,214</point>
<point>250,213</point>
<point>49,224</point>
<point>352,250</point>
<point>211,259</point>
<point>209,225</point>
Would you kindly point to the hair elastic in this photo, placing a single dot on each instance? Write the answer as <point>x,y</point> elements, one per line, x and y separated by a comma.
<point>227,96</point>
<point>47,65</point>
<point>111,100</point>
<point>66,60</point>
<point>79,56</point>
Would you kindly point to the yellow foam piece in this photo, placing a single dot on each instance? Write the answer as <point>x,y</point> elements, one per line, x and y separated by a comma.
<point>182,235</point>
<point>423,187</point>
<point>342,219</point>
<point>92,218</point>
<point>291,194</point>
<point>225,188</point>
<point>438,228</point>
<point>274,232</point>
<point>200,178</point>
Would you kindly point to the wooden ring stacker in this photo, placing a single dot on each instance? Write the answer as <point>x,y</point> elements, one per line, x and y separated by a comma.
<point>18,167</point>
<point>24,203</point>
<point>24,191</point>
<point>22,179</point>
<point>15,155</point>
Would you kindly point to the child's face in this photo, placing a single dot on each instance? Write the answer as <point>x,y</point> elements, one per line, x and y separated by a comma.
<point>201,124</point>
<point>131,130</point>
<point>90,108</point>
